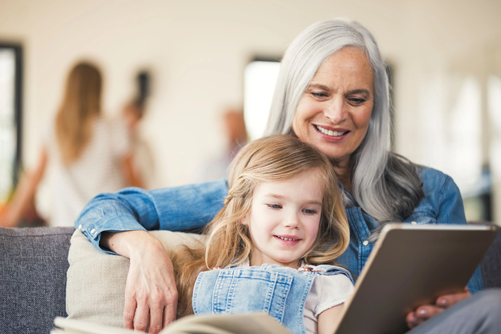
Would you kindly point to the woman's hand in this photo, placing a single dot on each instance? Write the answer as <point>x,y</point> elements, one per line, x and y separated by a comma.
<point>150,292</point>
<point>425,312</point>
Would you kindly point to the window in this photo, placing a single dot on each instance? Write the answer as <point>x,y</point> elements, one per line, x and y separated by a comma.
<point>10,117</point>
<point>260,78</point>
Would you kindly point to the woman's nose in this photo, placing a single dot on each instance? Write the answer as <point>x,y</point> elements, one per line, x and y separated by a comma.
<point>335,111</point>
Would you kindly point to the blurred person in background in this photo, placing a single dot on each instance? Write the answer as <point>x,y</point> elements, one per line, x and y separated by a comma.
<point>88,153</point>
<point>216,167</point>
<point>133,113</point>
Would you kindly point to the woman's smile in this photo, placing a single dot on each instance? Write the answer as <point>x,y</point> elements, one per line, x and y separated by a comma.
<point>334,112</point>
<point>334,134</point>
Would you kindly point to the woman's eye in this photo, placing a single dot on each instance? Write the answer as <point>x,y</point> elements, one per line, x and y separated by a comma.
<point>310,211</point>
<point>274,206</point>
<point>356,101</point>
<point>319,94</point>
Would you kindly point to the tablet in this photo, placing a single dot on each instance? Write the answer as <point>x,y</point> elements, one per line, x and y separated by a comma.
<point>412,265</point>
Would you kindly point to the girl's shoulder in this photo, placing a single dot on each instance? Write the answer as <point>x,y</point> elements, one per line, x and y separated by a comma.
<point>305,269</point>
<point>325,270</point>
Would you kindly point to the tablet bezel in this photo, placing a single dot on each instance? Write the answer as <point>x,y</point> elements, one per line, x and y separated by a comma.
<point>379,304</point>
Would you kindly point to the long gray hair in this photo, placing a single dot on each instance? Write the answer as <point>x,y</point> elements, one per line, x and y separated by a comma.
<point>384,184</point>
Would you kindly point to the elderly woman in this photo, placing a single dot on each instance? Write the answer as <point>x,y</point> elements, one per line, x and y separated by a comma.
<point>332,92</point>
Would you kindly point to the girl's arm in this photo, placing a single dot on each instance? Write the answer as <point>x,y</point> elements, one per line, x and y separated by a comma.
<point>329,318</point>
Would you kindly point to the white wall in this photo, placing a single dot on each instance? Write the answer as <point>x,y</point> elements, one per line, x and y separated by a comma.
<point>198,50</point>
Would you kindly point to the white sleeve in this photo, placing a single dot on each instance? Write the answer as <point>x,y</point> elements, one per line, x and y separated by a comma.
<point>47,135</point>
<point>121,140</point>
<point>332,291</point>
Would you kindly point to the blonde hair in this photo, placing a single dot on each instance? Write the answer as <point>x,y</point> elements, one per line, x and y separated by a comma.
<point>81,101</point>
<point>228,243</point>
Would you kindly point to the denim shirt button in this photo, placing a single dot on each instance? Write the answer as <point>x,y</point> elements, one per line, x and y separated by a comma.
<point>365,243</point>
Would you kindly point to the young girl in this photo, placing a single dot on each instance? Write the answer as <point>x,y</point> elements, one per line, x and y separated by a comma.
<point>272,247</point>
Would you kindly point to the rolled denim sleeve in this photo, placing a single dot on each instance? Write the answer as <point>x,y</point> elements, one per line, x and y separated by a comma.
<point>451,211</point>
<point>175,209</point>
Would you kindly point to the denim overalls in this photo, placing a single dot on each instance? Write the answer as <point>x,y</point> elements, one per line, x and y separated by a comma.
<point>277,290</point>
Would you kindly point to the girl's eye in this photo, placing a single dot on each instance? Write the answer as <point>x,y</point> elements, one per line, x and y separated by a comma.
<point>310,211</point>
<point>274,206</point>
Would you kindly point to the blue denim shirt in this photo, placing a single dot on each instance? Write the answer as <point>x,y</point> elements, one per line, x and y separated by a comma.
<point>193,206</point>
<point>279,291</point>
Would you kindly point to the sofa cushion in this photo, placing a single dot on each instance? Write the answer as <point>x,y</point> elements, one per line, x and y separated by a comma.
<point>96,280</point>
<point>491,264</point>
<point>33,264</point>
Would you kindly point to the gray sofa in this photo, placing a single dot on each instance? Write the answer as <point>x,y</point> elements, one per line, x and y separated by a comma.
<point>33,265</point>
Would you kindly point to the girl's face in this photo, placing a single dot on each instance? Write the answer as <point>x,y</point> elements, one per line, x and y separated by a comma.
<point>334,112</point>
<point>284,218</point>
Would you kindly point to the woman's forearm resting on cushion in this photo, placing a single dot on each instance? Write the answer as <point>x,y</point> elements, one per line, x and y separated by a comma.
<point>175,209</point>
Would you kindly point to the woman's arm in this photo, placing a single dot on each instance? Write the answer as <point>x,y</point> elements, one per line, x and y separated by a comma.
<point>328,319</point>
<point>150,292</point>
<point>134,209</point>
<point>450,211</point>
<point>24,193</point>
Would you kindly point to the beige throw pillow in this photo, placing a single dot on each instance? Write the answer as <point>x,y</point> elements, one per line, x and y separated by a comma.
<point>95,285</point>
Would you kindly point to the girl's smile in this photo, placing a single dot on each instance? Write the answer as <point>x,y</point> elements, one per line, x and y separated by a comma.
<point>284,218</point>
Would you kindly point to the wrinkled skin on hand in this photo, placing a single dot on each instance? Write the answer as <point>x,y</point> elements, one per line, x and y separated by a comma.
<point>425,312</point>
<point>150,292</point>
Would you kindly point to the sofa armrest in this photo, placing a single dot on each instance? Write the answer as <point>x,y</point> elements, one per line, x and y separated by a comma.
<point>491,263</point>
<point>33,265</point>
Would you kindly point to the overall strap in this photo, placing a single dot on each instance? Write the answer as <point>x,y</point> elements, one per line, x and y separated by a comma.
<point>276,290</point>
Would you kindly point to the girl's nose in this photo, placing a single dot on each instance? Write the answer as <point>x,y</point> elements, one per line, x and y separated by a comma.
<point>291,221</point>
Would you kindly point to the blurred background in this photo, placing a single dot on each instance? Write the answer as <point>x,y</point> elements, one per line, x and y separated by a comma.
<point>206,60</point>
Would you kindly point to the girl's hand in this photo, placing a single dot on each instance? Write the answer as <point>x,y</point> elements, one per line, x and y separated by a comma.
<point>150,291</point>
<point>425,312</point>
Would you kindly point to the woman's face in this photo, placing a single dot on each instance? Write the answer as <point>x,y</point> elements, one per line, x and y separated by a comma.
<point>334,112</point>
